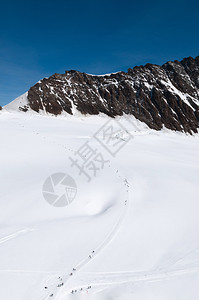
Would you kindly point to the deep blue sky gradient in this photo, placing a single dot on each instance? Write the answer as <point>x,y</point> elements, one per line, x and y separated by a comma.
<point>39,38</point>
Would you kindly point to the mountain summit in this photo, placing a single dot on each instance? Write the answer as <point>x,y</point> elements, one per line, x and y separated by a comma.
<point>166,95</point>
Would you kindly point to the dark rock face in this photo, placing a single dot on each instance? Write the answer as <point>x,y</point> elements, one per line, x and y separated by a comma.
<point>160,96</point>
<point>24,108</point>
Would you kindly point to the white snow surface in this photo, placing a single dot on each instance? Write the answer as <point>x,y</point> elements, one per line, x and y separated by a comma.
<point>139,214</point>
<point>18,102</point>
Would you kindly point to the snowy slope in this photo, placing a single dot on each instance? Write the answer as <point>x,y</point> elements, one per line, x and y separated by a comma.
<point>130,233</point>
<point>21,101</point>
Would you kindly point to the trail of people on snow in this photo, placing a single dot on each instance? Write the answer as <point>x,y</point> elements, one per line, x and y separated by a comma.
<point>63,280</point>
<point>110,236</point>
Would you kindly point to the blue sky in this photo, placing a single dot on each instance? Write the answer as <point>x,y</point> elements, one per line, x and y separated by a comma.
<point>39,38</point>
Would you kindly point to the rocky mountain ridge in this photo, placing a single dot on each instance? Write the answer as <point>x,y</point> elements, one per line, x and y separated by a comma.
<point>166,95</point>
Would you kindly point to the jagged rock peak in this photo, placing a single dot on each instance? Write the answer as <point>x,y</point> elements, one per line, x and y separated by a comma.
<point>166,95</point>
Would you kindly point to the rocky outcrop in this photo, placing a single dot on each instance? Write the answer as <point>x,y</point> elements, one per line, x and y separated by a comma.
<point>166,95</point>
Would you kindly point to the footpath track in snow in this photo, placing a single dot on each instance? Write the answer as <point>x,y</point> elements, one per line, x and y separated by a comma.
<point>15,235</point>
<point>101,279</point>
<point>57,291</point>
<point>170,265</point>
<point>64,290</point>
